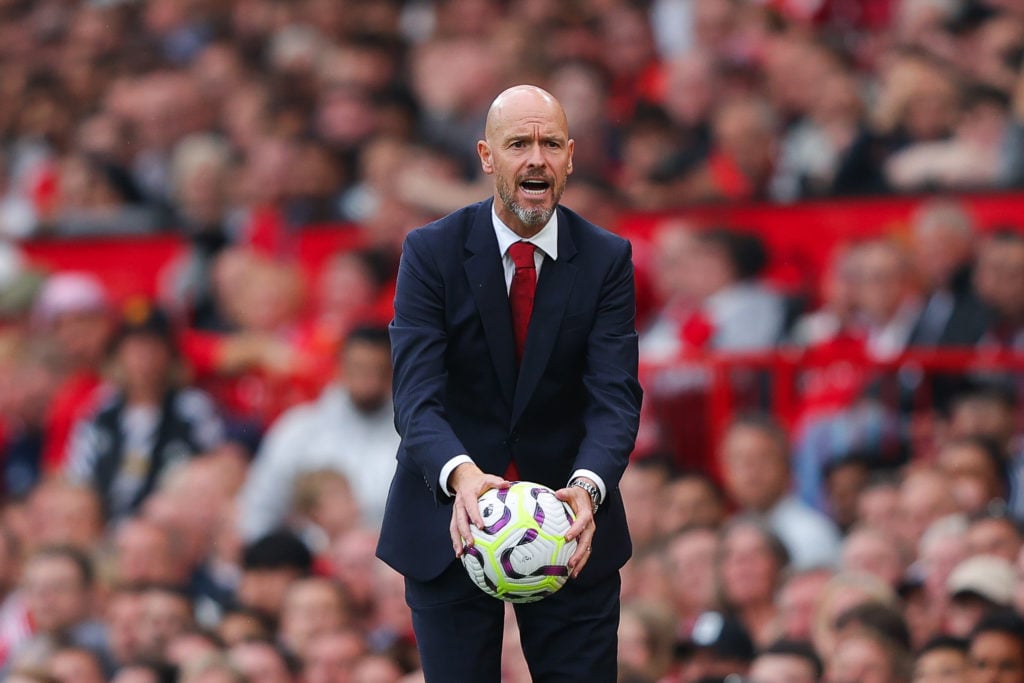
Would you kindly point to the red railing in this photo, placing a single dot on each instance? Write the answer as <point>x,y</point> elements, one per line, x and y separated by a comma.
<point>690,400</point>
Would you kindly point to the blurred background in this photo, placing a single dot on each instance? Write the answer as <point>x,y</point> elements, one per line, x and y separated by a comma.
<point>202,207</point>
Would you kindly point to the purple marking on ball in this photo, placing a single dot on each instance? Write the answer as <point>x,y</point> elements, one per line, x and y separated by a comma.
<point>475,553</point>
<point>506,555</point>
<point>502,494</point>
<point>538,515</point>
<point>505,518</point>
<point>552,570</point>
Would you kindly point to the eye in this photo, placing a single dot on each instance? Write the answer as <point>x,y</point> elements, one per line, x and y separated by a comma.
<point>517,144</point>
<point>554,144</point>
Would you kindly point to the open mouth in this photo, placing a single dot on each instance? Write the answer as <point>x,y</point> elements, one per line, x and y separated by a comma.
<point>535,186</point>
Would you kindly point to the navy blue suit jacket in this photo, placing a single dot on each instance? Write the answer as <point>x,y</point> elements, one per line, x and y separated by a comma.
<point>573,403</point>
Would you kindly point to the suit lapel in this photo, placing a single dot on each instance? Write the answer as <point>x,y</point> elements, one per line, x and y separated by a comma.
<point>553,288</point>
<point>487,281</point>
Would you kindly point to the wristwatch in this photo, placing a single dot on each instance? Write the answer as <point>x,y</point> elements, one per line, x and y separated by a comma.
<point>592,491</point>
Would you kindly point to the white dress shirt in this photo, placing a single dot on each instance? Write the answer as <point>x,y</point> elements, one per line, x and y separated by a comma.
<point>546,243</point>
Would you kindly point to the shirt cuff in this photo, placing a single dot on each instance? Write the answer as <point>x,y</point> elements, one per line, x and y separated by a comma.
<point>448,468</point>
<point>590,474</point>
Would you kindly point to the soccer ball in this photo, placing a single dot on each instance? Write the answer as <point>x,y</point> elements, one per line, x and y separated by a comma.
<point>521,554</point>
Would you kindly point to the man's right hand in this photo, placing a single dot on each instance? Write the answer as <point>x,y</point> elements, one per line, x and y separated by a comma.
<point>469,482</point>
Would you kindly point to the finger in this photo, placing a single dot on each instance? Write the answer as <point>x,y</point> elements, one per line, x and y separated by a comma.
<point>453,530</point>
<point>583,519</point>
<point>462,522</point>
<point>472,507</point>
<point>492,481</point>
<point>580,557</point>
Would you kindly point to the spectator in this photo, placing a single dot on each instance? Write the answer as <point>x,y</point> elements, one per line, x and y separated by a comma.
<point>74,310</point>
<point>925,496</point>
<point>63,513</point>
<point>750,566</point>
<point>58,584</point>
<point>641,484</point>
<point>841,593</point>
<point>742,313</point>
<point>797,599</point>
<point>145,673</point>
<point>312,606</point>
<point>331,656</point>
<point>996,650</point>
<point>978,586</point>
<point>845,479</point>
<point>994,534</point>
<point>977,474</point>
<point>690,568</point>
<point>123,614</point>
<point>192,645</point>
<point>269,565</point>
<point>867,657</point>
<point>689,500</point>
<point>647,635</point>
<point>146,553</point>
<point>786,662</point>
<point>877,618</point>
<point>166,612</point>
<point>262,662</point>
<point>940,660</point>
<point>717,646</point>
<point>876,552</point>
<point>356,414</point>
<point>755,460</point>
<point>77,665</point>
<point>214,669</point>
<point>242,625</point>
<point>373,668</point>
<point>148,425</point>
<point>942,250</point>
<point>886,301</point>
<point>999,281</point>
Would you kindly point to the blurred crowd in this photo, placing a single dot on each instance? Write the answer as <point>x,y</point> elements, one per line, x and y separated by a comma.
<point>191,485</point>
<point>244,120</point>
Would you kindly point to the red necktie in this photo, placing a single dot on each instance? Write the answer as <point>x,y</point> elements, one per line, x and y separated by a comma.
<point>522,291</point>
<point>520,298</point>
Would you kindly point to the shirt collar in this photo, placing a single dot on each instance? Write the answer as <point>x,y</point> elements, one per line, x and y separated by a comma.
<point>546,240</point>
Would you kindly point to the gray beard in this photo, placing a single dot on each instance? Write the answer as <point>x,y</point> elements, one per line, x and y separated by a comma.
<point>531,217</point>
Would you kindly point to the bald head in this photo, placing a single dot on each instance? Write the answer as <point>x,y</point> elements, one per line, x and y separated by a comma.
<point>528,151</point>
<point>523,101</point>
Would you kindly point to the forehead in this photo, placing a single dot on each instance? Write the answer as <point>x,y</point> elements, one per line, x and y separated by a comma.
<point>529,115</point>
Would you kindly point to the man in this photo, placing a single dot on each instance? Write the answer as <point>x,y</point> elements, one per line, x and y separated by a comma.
<point>786,661</point>
<point>499,365</point>
<point>943,659</point>
<point>149,424</point>
<point>755,460</point>
<point>350,429</point>
<point>978,586</point>
<point>995,653</point>
<point>717,646</point>
<point>58,586</point>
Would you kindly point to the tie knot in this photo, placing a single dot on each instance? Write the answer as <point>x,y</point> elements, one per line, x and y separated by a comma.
<point>522,254</point>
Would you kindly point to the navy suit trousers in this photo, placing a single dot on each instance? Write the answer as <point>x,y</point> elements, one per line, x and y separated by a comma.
<point>568,637</point>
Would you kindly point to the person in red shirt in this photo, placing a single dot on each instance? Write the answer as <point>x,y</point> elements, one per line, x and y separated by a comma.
<point>73,311</point>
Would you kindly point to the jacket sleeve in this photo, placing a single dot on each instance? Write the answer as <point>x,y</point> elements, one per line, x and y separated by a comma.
<point>418,347</point>
<point>612,414</point>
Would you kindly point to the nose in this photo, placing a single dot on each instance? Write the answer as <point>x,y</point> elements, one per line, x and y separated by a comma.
<point>536,158</point>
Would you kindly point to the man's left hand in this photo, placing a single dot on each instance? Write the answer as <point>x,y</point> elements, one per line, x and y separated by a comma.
<point>582,529</point>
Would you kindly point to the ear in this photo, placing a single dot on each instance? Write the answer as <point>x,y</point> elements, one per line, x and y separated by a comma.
<point>486,162</point>
<point>570,147</point>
